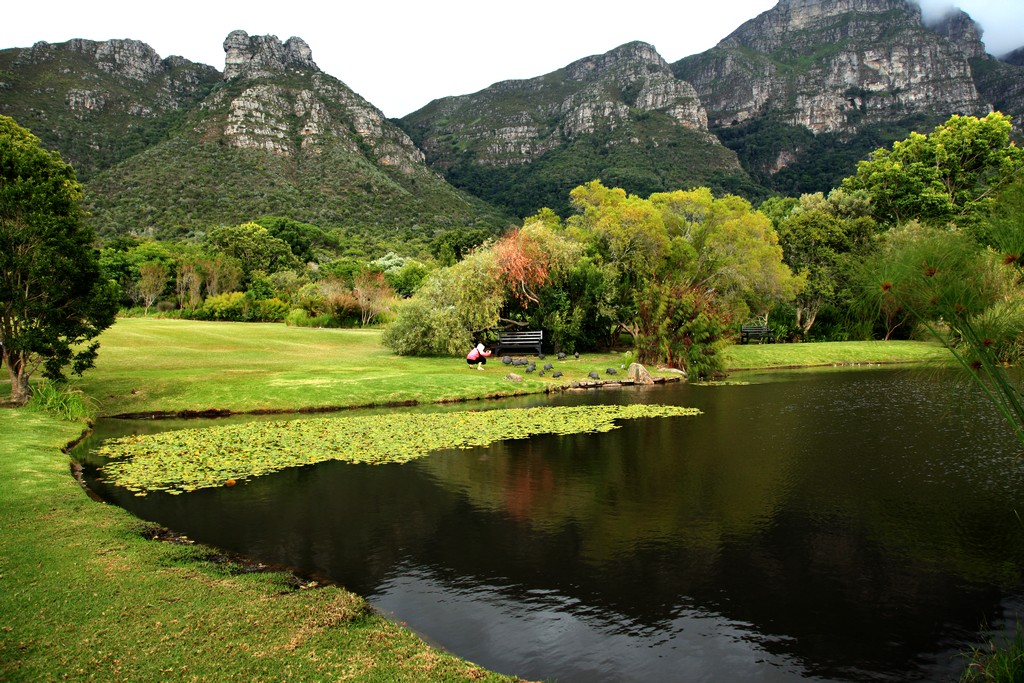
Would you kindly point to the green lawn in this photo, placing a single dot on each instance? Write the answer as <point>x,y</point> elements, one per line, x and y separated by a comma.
<point>766,356</point>
<point>85,596</point>
<point>174,365</point>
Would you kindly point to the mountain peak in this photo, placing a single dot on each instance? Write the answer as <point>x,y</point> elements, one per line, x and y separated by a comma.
<point>256,56</point>
<point>636,52</point>
<point>963,31</point>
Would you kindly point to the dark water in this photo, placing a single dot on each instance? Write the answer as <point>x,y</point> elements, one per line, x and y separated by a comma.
<point>843,526</point>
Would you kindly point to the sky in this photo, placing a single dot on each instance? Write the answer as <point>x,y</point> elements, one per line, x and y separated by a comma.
<point>401,54</point>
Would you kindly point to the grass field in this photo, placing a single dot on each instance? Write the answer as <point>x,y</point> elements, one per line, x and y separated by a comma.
<point>87,597</point>
<point>173,365</point>
<point>766,356</point>
<point>148,365</point>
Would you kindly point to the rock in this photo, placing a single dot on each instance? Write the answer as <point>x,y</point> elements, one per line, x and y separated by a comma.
<point>513,377</point>
<point>639,374</point>
<point>864,76</point>
<point>257,56</point>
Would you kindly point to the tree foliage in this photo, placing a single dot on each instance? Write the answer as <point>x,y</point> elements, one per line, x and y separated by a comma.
<point>53,299</point>
<point>950,175</point>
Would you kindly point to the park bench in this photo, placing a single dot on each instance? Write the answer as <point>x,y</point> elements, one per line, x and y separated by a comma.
<point>759,332</point>
<point>528,340</point>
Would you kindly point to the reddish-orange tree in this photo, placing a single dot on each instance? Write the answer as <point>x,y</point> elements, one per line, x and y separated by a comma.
<point>524,264</point>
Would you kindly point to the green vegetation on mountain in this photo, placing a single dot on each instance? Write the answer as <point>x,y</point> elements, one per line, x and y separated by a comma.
<point>221,168</point>
<point>620,116</point>
<point>669,157</point>
<point>93,103</point>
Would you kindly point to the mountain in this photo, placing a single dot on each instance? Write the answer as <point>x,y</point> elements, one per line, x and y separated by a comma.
<point>1016,58</point>
<point>99,103</point>
<point>274,135</point>
<point>805,89</point>
<point>621,116</point>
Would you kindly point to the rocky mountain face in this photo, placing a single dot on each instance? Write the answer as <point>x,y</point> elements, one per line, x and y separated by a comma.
<point>277,100</point>
<point>99,102</point>
<point>622,116</point>
<point>837,65</point>
<point>273,135</point>
<point>813,85</point>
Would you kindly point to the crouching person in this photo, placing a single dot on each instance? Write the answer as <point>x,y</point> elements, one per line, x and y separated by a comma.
<point>478,357</point>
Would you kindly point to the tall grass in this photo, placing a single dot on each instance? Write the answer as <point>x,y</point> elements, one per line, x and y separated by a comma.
<point>59,400</point>
<point>998,664</point>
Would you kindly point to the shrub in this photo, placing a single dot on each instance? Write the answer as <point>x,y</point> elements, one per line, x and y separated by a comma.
<point>228,306</point>
<point>272,310</point>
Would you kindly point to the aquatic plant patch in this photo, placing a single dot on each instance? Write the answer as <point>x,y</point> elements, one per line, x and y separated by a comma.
<point>192,459</point>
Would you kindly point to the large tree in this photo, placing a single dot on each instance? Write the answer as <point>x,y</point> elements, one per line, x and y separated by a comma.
<point>951,175</point>
<point>53,299</point>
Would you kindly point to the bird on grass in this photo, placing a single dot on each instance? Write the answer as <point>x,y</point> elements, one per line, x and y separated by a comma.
<point>507,360</point>
<point>556,374</point>
<point>593,375</point>
<point>612,371</point>
<point>577,354</point>
<point>561,356</point>
<point>548,366</point>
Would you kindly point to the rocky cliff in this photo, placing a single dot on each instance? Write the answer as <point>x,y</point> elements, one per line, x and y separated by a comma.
<point>838,65</point>
<point>99,102</point>
<point>806,89</point>
<point>622,116</point>
<point>276,99</point>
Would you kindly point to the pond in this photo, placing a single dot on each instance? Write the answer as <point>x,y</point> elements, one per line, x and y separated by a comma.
<point>829,526</point>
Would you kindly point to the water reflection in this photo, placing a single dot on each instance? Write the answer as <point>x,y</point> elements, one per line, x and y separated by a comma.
<point>839,526</point>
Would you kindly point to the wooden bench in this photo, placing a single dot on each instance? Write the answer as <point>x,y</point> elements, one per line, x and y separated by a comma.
<point>519,341</point>
<point>759,332</point>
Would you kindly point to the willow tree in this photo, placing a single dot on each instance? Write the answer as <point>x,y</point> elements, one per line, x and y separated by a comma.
<point>53,300</point>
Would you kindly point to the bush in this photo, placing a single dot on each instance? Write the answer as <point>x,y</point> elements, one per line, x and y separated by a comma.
<point>229,306</point>
<point>272,310</point>
<point>419,329</point>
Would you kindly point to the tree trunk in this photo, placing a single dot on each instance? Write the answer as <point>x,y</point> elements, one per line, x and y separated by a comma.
<point>20,391</point>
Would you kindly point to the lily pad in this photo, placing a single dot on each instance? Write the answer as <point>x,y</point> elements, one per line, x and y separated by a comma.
<point>192,459</point>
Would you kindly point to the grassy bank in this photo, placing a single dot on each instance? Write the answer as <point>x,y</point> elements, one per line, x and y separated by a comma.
<point>767,356</point>
<point>87,597</point>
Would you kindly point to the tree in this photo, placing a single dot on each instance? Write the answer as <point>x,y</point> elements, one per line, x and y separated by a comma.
<point>152,282</point>
<point>724,245</point>
<point>453,307</point>
<point>819,243</point>
<point>948,176</point>
<point>54,300</point>
<point>373,295</point>
<point>254,247</point>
